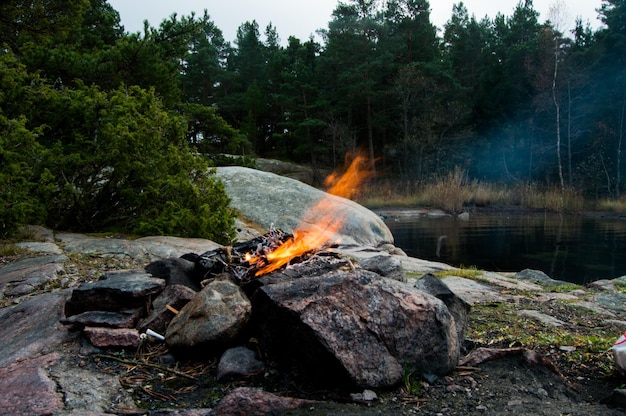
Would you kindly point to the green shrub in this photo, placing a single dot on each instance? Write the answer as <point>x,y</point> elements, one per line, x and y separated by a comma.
<point>87,160</point>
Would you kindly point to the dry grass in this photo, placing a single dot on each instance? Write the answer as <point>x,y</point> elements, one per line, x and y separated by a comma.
<point>9,249</point>
<point>454,192</point>
<point>551,199</point>
<point>612,205</point>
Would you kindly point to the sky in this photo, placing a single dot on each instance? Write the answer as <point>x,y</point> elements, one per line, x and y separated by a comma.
<point>301,18</point>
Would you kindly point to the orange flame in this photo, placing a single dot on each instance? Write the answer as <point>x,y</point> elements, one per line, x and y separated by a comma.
<point>306,239</point>
<point>347,185</point>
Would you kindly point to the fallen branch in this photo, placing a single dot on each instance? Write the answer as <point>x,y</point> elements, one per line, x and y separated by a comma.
<point>140,363</point>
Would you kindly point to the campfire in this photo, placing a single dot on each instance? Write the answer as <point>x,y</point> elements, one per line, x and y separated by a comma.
<point>297,303</point>
<point>276,249</point>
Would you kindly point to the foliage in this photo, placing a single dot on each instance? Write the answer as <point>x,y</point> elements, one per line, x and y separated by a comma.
<point>10,249</point>
<point>502,325</point>
<point>88,160</point>
<point>468,272</point>
<point>411,382</point>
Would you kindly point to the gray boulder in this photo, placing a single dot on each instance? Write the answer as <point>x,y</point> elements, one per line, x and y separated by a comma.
<point>355,327</point>
<point>175,271</point>
<point>385,265</point>
<point>537,276</point>
<point>267,199</point>
<point>459,308</point>
<point>239,362</point>
<point>213,318</point>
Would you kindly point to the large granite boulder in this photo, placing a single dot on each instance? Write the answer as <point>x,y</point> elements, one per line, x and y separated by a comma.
<point>355,327</point>
<point>269,199</point>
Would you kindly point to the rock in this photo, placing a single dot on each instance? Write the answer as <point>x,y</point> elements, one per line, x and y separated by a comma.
<point>175,271</point>
<point>37,233</point>
<point>542,317</point>
<point>611,301</point>
<point>355,327</point>
<point>143,249</point>
<point>290,170</point>
<point>112,337</point>
<point>386,266</point>
<point>458,307</point>
<point>365,397</point>
<point>183,412</point>
<point>604,285</point>
<point>39,247</point>
<point>24,380</point>
<point>33,327</point>
<point>214,317</point>
<point>163,247</point>
<point>175,296</point>
<point>239,362</point>
<point>537,276</point>
<point>90,392</point>
<point>25,275</point>
<point>267,199</point>
<point>115,291</point>
<point>617,398</point>
<point>247,401</point>
<point>474,292</point>
<point>125,319</point>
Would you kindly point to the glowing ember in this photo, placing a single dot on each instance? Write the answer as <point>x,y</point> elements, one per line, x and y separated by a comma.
<point>325,231</point>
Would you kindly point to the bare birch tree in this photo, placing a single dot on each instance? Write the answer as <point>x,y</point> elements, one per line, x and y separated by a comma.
<point>557,16</point>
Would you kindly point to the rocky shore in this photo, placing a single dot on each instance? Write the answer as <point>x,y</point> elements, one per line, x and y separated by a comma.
<point>532,346</point>
<point>545,345</point>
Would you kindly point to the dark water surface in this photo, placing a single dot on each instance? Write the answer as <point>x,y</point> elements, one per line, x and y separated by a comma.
<point>574,248</point>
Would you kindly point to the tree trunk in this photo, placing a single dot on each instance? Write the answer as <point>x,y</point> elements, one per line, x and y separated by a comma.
<point>558,113</point>
<point>370,134</point>
<point>620,136</point>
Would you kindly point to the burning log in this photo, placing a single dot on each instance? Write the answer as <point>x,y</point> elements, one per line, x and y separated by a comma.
<point>245,261</point>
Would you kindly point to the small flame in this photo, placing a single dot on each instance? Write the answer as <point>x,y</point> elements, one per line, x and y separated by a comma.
<point>322,234</point>
<point>347,184</point>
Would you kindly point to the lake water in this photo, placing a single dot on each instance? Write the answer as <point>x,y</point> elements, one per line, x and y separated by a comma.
<point>573,248</point>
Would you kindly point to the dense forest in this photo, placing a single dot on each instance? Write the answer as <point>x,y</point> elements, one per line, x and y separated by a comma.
<point>100,127</point>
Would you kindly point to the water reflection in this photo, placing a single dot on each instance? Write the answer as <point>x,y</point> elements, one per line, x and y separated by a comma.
<point>568,247</point>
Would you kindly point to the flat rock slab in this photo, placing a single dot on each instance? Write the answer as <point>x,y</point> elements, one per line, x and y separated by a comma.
<point>144,249</point>
<point>509,283</point>
<point>39,247</point>
<point>112,337</point>
<point>32,327</point>
<point>542,317</point>
<point>25,379</point>
<point>104,319</point>
<point>115,291</point>
<point>30,280</point>
<point>474,292</point>
<point>254,401</point>
<point>612,301</point>
<point>28,268</point>
<point>87,391</point>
